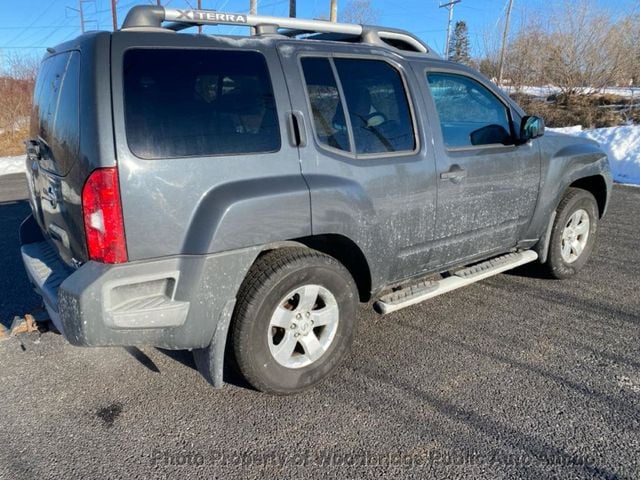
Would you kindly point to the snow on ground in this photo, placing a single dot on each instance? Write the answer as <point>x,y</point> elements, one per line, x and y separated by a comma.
<point>546,90</point>
<point>568,130</point>
<point>622,145</point>
<point>12,165</point>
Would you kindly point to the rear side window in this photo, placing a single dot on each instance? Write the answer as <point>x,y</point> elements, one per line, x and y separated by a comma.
<point>378,115</point>
<point>181,102</point>
<point>470,115</point>
<point>55,113</point>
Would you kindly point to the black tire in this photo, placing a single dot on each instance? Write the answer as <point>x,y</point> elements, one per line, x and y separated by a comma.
<point>575,199</point>
<point>271,278</point>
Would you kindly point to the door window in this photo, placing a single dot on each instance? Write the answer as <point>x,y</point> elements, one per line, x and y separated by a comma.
<point>470,115</point>
<point>377,107</point>
<point>325,101</point>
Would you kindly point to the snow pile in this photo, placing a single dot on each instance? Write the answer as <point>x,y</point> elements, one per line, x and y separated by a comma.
<point>12,165</point>
<point>547,90</point>
<point>622,145</point>
<point>568,130</point>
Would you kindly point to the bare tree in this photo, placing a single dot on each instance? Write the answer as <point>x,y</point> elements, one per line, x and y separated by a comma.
<point>583,49</point>
<point>16,89</point>
<point>630,38</point>
<point>577,48</point>
<point>21,67</point>
<point>489,53</point>
<point>360,11</point>
<point>526,55</point>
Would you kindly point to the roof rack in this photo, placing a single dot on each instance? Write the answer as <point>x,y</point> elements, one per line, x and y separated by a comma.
<point>152,18</point>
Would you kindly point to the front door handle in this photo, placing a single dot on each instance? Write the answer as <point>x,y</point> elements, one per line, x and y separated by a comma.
<point>455,173</point>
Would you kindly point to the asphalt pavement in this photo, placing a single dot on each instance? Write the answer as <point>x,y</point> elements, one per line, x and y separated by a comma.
<point>513,377</point>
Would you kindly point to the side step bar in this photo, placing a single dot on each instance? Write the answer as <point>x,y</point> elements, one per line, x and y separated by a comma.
<point>425,290</point>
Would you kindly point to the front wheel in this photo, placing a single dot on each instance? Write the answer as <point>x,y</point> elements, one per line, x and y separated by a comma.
<point>573,235</point>
<point>294,321</point>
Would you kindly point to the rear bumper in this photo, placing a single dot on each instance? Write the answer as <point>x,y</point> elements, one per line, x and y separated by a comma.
<point>46,272</point>
<point>175,303</point>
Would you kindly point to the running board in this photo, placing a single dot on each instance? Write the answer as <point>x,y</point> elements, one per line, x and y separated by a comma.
<point>425,290</point>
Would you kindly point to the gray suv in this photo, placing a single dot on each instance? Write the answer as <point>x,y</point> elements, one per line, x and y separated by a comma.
<point>238,196</point>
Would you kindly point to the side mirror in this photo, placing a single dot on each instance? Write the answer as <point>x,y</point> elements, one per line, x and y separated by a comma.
<point>530,128</point>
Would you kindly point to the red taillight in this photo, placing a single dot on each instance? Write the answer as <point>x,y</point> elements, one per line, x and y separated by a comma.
<point>102,213</point>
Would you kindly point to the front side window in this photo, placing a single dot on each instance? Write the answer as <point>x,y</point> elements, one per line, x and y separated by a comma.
<point>181,102</point>
<point>470,115</point>
<point>377,109</point>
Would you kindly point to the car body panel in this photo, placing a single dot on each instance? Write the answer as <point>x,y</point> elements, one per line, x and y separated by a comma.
<point>385,203</point>
<point>56,183</point>
<point>488,209</point>
<point>198,205</point>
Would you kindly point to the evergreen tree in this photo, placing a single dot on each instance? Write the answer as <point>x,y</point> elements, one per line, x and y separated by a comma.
<point>459,44</point>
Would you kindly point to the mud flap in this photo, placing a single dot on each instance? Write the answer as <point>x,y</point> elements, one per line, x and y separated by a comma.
<point>210,360</point>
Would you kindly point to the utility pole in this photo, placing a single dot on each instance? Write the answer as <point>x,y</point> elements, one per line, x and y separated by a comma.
<point>505,33</point>
<point>292,8</point>
<point>253,10</point>
<point>199,5</point>
<point>448,6</point>
<point>114,15</point>
<point>333,14</point>
<point>80,9</point>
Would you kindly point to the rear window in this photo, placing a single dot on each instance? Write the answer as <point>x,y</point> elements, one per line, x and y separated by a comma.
<point>181,103</point>
<point>55,110</point>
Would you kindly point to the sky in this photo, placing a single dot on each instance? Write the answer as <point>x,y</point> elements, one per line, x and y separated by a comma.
<point>27,27</point>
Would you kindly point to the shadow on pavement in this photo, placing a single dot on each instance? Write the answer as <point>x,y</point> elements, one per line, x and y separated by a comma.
<point>16,297</point>
<point>230,373</point>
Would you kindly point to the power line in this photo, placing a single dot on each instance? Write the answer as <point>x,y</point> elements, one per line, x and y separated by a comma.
<point>42,14</point>
<point>20,47</point>
<point>39,27</point>
<point>81,13</point>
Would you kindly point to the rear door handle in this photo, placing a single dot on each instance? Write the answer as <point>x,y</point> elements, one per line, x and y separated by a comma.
<point>297,132</point>
<point>456,172</point>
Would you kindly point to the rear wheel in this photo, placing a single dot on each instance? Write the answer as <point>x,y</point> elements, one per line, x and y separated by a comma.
<point>574,233</point>
<point>294,321</point>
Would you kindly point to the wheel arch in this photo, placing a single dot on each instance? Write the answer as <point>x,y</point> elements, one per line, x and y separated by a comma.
<point>343,249</point>
<point>597,186</point>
